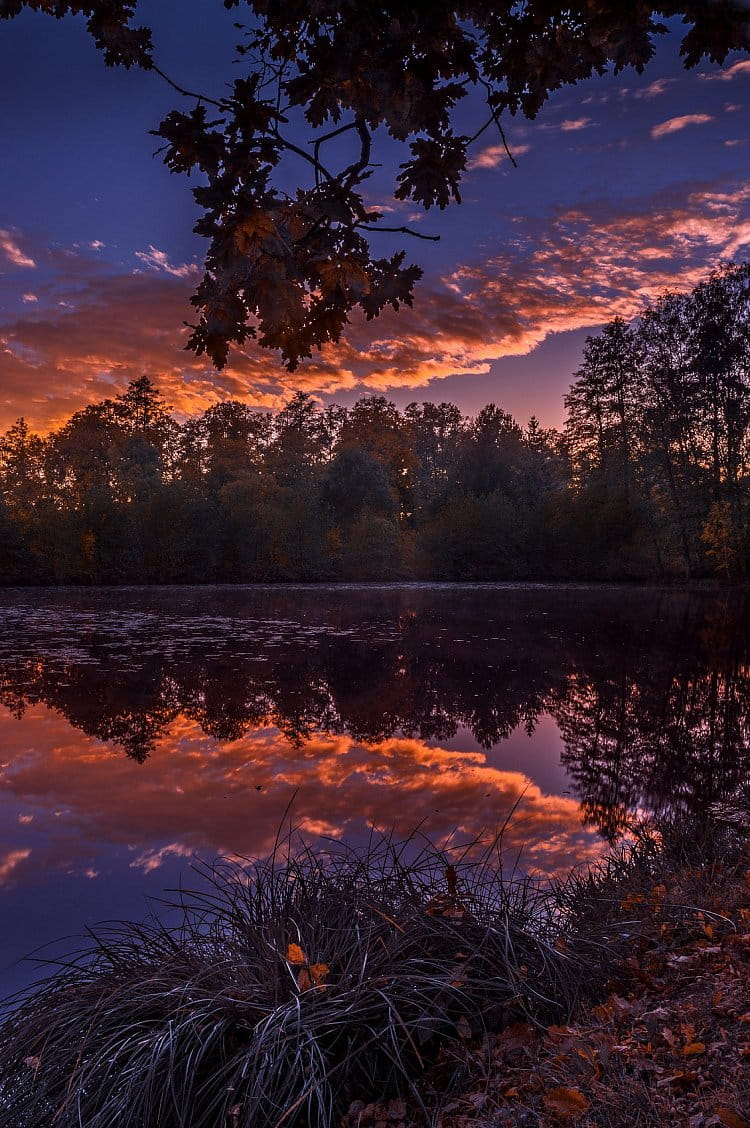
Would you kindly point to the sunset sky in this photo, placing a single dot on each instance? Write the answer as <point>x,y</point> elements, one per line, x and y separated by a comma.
<point>625,186</point>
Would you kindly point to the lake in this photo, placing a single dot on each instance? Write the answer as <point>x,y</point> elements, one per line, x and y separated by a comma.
<point>142,726</point>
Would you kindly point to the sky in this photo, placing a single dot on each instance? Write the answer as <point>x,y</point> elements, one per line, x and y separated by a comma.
<point>625,186</point>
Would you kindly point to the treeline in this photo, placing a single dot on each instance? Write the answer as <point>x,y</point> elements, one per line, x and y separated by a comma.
<point>649,478</point>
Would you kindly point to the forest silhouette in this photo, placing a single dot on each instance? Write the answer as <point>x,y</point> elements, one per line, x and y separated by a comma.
<point>648,479</point>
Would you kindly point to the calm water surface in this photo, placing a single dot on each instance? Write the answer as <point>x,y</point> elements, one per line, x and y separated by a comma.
<point>141,726</point>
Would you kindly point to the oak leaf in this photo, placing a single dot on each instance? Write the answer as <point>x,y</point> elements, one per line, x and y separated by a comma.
<point>252,230</point>
<point>566,1102</point>
<point>295,955</point>
<point>319,973</point>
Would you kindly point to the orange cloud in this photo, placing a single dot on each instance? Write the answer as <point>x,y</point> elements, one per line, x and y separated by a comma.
<point>675,124</point>
<point>735,71</point>
<point>9,862</point>
<point>10,249</point>
<point>93,330</point>
<point>158,260</point>
<point>575,271</point>
<point>654,89</point>
<point>495,155</point>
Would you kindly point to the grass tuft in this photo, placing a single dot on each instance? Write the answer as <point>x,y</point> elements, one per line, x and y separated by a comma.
<point>283,990</point>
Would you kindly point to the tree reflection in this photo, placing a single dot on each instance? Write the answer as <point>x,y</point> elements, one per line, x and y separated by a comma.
<point>650,690</point>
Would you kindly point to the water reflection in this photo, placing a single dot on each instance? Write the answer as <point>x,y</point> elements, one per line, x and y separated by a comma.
<point>142,725</point>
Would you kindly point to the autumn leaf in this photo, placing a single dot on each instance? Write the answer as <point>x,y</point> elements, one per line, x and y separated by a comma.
<point>295,955</point>
<point>252,230</point>
<point>566,1102</point>
<point>693,1048</point>
<point>304,982</point>
<point>319,973</point>
<point>730,1119</point>
<point>658,893</point>
<point>346,275</point>
<point>434,171</point>
<point>682,1080</point>
<point>631,901</point>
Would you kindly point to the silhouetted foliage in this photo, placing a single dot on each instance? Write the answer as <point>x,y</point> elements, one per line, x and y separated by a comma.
<point>289,255</point>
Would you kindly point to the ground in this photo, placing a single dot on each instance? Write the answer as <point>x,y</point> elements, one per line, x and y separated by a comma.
<point>668,1044</point>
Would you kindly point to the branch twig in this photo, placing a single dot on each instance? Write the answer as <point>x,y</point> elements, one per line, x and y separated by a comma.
<point>400,231</point>
<point>188,93</point>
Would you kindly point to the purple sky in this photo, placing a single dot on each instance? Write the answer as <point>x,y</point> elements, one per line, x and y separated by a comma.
<point>625,186</point>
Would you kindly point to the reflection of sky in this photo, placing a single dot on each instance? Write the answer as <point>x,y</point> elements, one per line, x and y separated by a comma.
<point>86,832</point>
<point>647,690</point>
<point>625,185</point>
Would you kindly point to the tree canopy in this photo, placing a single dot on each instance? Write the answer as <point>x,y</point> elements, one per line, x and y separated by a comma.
<point>323,82</point>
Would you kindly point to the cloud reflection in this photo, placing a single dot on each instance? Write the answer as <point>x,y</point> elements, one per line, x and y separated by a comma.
<point>197,794</point>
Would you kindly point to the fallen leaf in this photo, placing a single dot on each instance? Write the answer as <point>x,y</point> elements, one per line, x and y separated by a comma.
<point>683,1080</point>
<point>693,1048</point>
<point>731,1119</point>
<point>631,901</point>
<point>304,982</point>
<point>295,955</point>
<point>477,1100</point>
<point>566,1102</point>
<point>319,973</point>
